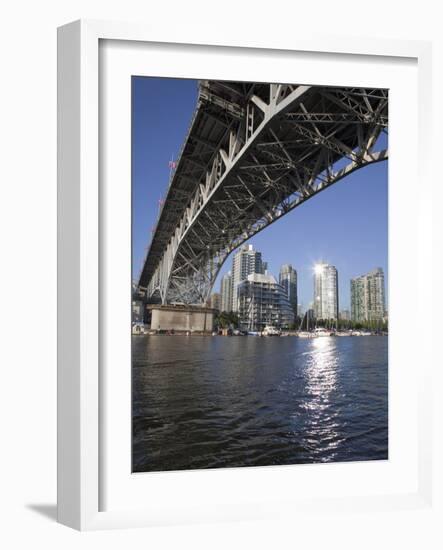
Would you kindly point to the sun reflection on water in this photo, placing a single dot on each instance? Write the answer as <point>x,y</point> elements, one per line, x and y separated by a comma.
<point>320,399</point>
<point>321,368</point>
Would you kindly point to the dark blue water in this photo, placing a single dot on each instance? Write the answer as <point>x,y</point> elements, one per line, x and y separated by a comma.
<point>211,402</point>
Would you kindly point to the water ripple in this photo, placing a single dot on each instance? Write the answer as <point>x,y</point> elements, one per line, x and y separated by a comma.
<point>203,402</point>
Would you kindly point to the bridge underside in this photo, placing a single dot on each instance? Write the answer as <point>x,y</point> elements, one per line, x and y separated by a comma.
<point>253,153</point>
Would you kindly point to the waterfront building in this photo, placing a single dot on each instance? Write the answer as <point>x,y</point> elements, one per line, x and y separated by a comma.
<point>137,311</point>
<point>138,308</point>
<point>310,317</point>
<point>359,299</point>
<point>307,320</point>
<point>325,292</point>
<point>376,284</point>
<point>226,292</point>
<point>215,301</point>
<point>262,301</point>
<point>345,315</point>
<point>288,280</point>
<point>368,296</point>
<point>246,261</point>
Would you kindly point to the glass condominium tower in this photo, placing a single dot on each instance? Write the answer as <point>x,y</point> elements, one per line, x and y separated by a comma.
<point>288,281</point>
<point>368,296</point>
<point>325,291</point>
<point>262,301</point>
<point>226,292</point>
<point>246,261</point>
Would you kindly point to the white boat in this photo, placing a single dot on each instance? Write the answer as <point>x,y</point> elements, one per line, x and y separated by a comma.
<point>320,331</point>
<point>269,330</point>
<point>305,334</point>
<point>138,328</point>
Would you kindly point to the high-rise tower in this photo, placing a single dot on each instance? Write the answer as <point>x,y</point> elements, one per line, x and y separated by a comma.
<point>246,261</point>
<point>226,292</point>
<point>325,291</point>
<point>368,296</point>
<point>288,280</point>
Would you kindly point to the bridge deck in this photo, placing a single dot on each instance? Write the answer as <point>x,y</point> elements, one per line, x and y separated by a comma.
<point>241,167</point>
<point>209,130</point>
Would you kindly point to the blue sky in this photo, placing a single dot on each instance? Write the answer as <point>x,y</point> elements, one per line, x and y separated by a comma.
<point>345,225</point>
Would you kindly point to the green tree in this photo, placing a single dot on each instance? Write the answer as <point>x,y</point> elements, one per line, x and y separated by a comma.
<point>227,319</point>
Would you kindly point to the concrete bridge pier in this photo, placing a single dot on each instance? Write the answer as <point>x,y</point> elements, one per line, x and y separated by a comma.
<point>182,318</point>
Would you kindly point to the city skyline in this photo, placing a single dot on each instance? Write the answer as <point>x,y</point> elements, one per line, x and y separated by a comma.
<point>345,225</point>
<point>255,264</point>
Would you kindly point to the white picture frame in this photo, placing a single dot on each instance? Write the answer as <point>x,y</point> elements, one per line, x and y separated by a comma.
<point>81,412</point>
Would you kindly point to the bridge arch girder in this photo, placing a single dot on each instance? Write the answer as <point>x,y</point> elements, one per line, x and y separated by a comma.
<point>281,149</point>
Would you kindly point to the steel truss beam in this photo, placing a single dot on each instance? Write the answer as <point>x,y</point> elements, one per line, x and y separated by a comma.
<point>281,145</point>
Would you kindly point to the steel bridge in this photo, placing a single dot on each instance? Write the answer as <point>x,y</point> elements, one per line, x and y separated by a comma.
<point>253,153</point>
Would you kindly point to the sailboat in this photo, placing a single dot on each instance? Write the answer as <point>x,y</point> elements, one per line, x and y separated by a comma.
<point>307,333</point>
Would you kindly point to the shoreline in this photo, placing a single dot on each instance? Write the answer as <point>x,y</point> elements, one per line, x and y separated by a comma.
<point>308,336</point>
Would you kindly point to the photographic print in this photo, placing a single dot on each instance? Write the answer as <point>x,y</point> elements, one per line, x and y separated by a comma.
<point>260,268</point>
